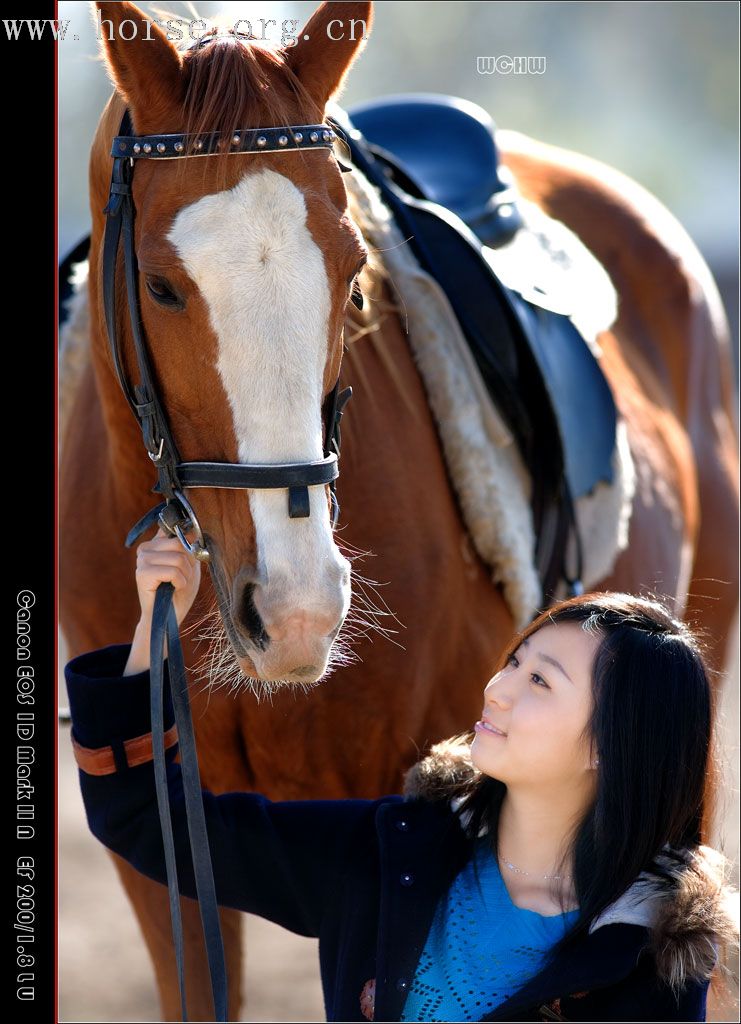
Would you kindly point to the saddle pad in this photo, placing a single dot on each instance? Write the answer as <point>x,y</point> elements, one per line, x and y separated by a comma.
<point>483,461</point>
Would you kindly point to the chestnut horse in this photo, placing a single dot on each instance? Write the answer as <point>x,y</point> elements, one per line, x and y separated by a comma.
<point>246,268</point>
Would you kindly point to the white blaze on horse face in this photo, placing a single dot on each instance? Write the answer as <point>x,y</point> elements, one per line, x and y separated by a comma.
<point>263,278</point>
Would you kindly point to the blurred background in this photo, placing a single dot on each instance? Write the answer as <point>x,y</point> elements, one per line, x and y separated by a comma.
<point>650,88</point>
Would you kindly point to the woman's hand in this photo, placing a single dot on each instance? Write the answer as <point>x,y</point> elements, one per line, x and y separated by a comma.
<point>164,560</point>
<point>161,560</point>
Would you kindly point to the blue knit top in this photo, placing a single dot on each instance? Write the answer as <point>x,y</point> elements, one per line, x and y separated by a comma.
<point>481,948</point>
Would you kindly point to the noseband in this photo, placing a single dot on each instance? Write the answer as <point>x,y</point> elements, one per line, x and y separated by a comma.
<point>176,515</point>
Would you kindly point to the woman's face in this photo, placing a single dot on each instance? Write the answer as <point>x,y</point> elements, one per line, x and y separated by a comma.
<point>541,700</point>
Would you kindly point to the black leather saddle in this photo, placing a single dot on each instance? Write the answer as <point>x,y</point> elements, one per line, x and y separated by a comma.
<point>434,159</point>
<point>443,148</point>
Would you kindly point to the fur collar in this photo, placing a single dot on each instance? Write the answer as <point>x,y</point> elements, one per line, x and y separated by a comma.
<point>690,930</point>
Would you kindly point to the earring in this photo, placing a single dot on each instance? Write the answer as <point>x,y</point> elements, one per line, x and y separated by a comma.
<point>596,762</point>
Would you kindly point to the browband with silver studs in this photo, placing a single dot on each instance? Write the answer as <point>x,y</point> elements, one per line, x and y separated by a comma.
<point>249,140</point>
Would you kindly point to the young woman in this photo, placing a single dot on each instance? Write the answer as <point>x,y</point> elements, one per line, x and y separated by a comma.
<point>548,865</point>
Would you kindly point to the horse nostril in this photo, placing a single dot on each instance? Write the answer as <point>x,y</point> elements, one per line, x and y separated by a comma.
<point>249,618</point>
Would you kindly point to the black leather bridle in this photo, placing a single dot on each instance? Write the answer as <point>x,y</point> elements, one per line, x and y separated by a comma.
<point>174,474</point>
<point>176,515</point>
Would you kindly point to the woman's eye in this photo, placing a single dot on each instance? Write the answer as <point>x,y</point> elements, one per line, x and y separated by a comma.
<point>534,677</point>
<point>162,293</point>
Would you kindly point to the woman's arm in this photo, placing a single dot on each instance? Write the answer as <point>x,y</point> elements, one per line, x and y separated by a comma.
<point>138,660</point>
<point>282,860</point>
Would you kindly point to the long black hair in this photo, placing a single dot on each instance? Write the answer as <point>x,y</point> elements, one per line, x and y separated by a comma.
<point>651,726</point>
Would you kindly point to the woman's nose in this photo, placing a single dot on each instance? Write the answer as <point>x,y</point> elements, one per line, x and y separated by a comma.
<point>494,691</point>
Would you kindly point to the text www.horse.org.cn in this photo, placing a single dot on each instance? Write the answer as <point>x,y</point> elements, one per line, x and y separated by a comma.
<point>177,29</point>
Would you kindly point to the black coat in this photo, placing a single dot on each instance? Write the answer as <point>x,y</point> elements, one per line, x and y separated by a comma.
<point>364,876</point>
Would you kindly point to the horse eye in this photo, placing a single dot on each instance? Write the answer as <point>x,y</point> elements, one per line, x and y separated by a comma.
<point>357,297</point>
<point>162,293</point>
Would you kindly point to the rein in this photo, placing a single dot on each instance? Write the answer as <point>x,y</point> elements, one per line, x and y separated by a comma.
<point>175,514</point>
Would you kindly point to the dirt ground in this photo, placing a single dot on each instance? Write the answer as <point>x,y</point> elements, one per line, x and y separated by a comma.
<point>104,970</point>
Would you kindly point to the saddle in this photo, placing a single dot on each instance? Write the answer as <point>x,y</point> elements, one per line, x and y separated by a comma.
<point>435,162</point>
<point>450,158</point>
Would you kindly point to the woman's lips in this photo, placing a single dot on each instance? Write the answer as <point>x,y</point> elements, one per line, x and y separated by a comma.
<point>482,726</point>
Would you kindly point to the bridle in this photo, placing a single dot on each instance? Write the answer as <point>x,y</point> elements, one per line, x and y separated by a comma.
<point>175,514</point>
<point>174,474</point>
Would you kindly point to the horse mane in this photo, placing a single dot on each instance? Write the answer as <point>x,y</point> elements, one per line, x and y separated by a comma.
<point>234,84</point>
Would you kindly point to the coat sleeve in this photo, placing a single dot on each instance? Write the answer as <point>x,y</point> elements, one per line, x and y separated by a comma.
<point>281,860</point>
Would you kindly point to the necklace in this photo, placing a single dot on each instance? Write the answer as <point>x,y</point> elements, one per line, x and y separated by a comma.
<point>521,872</point>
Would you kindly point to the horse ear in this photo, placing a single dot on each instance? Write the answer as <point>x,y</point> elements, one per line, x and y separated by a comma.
<point>330,41</point>
<point>142,63</point>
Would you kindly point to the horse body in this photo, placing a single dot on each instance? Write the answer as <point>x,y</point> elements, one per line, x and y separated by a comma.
<point>356,734</point>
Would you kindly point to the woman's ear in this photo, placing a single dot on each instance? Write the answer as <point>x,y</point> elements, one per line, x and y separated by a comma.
<point>328,45</point>
<point>144,66</point>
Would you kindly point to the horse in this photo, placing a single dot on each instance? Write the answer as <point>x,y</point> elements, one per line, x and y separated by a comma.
<point>247,269</point>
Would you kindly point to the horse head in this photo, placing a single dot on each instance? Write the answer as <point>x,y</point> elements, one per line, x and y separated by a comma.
<point>246,264</point>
